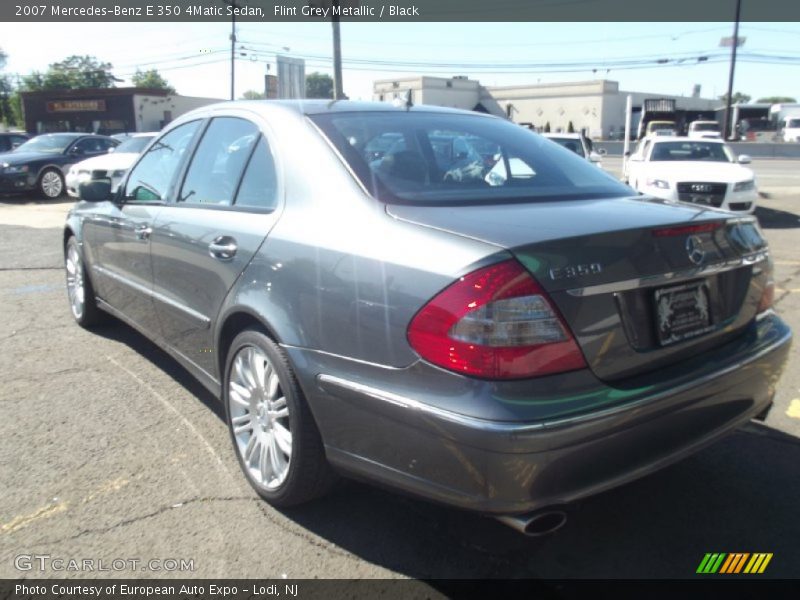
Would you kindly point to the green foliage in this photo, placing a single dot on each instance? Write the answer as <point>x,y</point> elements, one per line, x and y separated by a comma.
<point>73,73</point>
<point>151,79</point>
<point>777,100</point>
<point>253,95</point>
<point>547,127</point>
<point>319,85</point>
<point>738,98</point>
<point>570,127</point>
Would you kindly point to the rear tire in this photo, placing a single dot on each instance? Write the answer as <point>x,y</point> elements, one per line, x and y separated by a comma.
<point>51,184</point>
<point>80,292</point>
<point>274,435</point>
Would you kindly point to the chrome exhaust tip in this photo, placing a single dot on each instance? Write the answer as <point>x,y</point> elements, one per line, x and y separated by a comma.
<point>536,524</point>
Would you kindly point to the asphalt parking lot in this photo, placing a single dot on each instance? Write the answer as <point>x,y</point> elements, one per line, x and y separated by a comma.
<point>110,450</point>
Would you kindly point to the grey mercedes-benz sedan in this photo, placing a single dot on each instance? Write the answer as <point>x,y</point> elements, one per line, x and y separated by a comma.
<point>439,301</point>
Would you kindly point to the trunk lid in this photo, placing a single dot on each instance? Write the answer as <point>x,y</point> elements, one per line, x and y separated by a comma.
<point>641,282</point>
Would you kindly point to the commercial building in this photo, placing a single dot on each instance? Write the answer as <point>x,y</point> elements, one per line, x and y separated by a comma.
<point>106,111</point>
<point>596,107</point>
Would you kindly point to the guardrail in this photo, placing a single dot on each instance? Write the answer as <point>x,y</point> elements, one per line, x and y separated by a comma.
<point>754,149</point>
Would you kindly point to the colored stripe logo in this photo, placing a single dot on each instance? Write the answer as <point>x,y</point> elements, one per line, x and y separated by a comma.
<point>734,563</point>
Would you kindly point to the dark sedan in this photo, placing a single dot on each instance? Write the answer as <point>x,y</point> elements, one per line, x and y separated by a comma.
<point>505,343</point>
<point>41,163</point>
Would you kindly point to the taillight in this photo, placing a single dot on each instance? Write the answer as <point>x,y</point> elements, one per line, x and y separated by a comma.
<point>495,323</point>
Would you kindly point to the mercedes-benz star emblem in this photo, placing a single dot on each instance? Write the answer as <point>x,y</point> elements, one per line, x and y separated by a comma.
<point>694,248</point>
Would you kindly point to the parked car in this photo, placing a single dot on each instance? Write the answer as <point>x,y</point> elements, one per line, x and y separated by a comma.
<point>503,348</point>
<point>10,140</point>
<point>704,130</point>
<point>40,163</point>
<point>113,165</point>
<point>577,143</point>
<point>704,172</point>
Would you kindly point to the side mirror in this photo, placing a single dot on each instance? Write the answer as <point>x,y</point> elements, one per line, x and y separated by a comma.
<point>627,154</point>
<point>75,151</point>
<point>744,159</point>
<point>95,190</point>
<point>110,150</point>
<point>595,157</point>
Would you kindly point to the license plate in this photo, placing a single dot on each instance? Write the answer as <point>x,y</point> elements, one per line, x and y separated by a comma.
<point>682,312</point>
<point>695,199</point>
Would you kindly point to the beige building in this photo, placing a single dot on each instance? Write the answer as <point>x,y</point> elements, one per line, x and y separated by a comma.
<point>597,106</point>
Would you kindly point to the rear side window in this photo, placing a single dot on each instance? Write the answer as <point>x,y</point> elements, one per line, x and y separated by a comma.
<point>219,161</point>
<point>259,187</point>
<point>439,158</point>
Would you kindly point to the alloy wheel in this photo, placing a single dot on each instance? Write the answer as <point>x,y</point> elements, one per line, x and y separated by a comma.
<point>75,287</point>
<point>259,416</point>
<point>52,185</point>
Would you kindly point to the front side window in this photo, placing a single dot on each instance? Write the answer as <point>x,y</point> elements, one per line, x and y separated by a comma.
<point>219,161</point>
<point>92,146</point>
<point>440,158</point>
<point>151,177</point>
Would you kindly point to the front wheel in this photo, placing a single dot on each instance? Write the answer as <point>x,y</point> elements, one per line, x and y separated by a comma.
<point>51,184</point>
<point>273,432</point>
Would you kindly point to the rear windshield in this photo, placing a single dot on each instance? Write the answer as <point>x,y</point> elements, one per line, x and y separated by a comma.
<point>436,158</point>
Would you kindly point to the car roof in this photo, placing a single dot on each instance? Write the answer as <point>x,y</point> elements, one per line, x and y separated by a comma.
<point>658,139</point>
<point>315,107</point>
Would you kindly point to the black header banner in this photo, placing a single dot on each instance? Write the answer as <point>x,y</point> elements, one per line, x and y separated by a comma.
<point>396,10</point>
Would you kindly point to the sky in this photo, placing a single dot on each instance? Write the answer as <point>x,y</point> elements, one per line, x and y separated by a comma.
<point>663,58</point>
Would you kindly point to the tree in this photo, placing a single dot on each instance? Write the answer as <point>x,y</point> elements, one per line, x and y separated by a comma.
<point>319,85</point>
<point>6,94</point>
<point>253,95</point>
<point>777,100</point>
<point>72,73</point>
<point>547,127</point>
<point>570,127</point>
<point>151,79</point>
<point>738,98</point>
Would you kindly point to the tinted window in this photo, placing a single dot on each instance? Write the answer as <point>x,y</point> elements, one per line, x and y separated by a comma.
<point>92,146</point>
<point>152,175</point>
<point>571,144</point>
<point>453,158</point>
<point>259,188</point>
<point>218,162</point>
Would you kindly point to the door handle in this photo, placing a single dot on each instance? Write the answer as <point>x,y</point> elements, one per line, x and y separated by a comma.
<point>223,247</point>
<point>143,232</point>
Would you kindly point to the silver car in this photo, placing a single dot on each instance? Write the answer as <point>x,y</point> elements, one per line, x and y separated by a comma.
<point>503,344</point>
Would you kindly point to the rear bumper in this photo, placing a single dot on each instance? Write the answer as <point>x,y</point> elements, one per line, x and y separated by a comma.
<point>389,428</point>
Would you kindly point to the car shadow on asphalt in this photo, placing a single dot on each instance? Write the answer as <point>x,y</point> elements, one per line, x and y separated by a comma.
<point>739,495</point>
<point>120,332</point>
<point>770,218</point>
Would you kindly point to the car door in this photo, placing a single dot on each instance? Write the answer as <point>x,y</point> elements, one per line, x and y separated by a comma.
<point>120,235</point>
<point>203,240</point>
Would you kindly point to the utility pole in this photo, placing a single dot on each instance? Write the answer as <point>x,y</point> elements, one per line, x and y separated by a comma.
<point>338,92</point>
<point>734,46</point>
<point>234,6</point>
